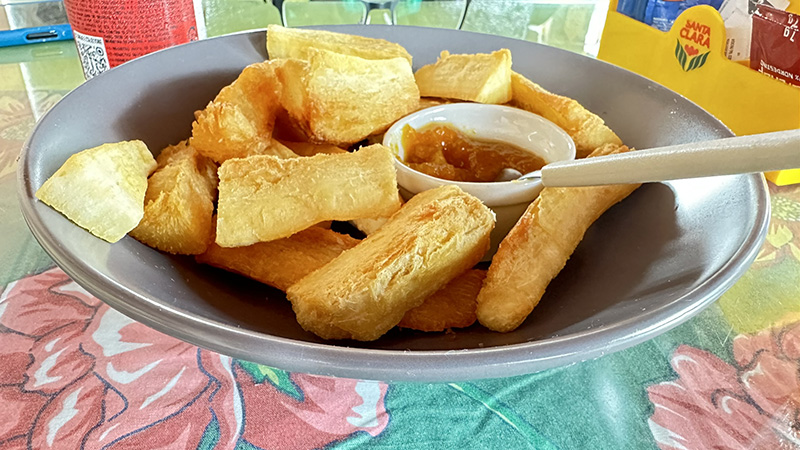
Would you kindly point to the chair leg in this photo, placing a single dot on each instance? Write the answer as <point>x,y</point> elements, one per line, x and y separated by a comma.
<point>369,5</point>
<point>279,4</point>
<point>463,14</point>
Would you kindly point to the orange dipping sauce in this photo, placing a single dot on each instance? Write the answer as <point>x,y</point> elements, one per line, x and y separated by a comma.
<point>444,152</point>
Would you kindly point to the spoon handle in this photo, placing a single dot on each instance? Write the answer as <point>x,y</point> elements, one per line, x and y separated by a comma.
<point>743,154</point>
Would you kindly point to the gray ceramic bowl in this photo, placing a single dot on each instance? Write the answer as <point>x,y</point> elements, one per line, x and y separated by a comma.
<point>650,263</point>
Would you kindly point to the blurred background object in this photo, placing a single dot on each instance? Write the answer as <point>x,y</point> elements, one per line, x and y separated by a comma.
<point>37,69</point>
<point>33,23</point>
<point>31,13</point>
<point>230,16</point>
<point>574,25</point>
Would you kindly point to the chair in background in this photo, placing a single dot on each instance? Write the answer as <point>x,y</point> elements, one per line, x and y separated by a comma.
<point>574,25</point>
<point>323,12</point>
<point>435,13</point>
<point>230,16</point>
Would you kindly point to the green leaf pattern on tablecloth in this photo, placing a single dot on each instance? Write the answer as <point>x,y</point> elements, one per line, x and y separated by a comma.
<point>769,293</point>
<point>784,226</point>
<point>278,378</point>
<point>506,414</point>
<point>210,436</point>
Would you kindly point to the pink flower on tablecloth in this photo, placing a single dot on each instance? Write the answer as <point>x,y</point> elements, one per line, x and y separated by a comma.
<point>304,422</point>
<point>751,404</point>
<point>77,374</point>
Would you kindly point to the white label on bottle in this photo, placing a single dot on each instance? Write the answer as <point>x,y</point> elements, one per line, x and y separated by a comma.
<point>92,51</point>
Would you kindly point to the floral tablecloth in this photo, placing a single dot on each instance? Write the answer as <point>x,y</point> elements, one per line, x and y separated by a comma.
<point>76,374</point>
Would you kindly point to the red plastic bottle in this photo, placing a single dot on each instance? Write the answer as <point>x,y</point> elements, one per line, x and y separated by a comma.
<point>111,32</point>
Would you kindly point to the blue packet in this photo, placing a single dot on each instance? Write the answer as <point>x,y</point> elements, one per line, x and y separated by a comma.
<point>661,14</point>
<point>635,9</point>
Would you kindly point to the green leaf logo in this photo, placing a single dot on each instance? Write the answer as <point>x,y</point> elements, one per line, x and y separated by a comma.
<point>680,54</point>
<point>698,61</point>
<point>278,378</point>
<point>694,62</point>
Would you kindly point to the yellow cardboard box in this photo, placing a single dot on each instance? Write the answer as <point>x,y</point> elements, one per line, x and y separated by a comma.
<point>690,60</point>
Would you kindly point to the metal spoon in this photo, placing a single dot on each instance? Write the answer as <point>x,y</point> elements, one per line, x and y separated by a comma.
<point>743,154</point>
